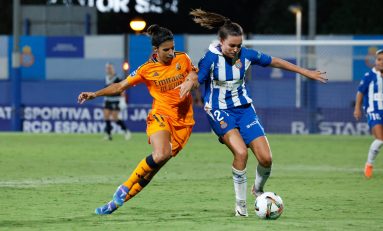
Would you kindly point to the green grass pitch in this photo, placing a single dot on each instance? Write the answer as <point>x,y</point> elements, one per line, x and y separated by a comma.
<point>54,182</point>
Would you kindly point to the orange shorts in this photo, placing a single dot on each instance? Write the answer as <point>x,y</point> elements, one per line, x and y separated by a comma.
<point>179,135</point>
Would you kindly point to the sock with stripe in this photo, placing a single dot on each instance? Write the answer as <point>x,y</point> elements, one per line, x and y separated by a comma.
<point>240,184</point>
<point>146,165</point>
<point>137,187</point>
<point>262,174</point>
<point>374,150</point>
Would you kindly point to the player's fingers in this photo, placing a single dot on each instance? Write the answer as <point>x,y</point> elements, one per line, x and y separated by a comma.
<point>184,92</point>
<point>82,98</point>
<point>80,101</point>
<point>79,98</point>
<point>323,80</point>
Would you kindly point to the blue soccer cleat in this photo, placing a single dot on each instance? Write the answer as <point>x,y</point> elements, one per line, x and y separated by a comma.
<point>106,209</point>
<point>120,195</point>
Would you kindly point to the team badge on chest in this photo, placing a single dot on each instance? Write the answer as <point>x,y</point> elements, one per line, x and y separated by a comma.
<point>178,66</point>
<point>238,64</point>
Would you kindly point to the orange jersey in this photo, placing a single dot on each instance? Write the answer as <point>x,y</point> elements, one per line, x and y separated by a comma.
<point>161,81</point>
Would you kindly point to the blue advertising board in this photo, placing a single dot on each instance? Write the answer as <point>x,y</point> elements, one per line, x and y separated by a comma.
<point>84,119</point>
<point>89,119</point>
<point>65,47</point>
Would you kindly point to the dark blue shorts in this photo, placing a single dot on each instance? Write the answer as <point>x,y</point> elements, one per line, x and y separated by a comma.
<point>244,118</point>
<point>374,118</point>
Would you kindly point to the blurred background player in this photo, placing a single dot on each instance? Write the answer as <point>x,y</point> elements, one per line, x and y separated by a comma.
<point>370,95</point>
<point>169,123</point>
<point>228,104</point>
<point>112,105</point>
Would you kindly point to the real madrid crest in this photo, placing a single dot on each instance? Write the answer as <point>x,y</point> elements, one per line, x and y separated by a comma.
<point>238,64</point>
<point>178,66</point>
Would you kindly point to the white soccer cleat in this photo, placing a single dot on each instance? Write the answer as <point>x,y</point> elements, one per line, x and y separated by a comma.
<point>128,135</point>
<point>241,209</point>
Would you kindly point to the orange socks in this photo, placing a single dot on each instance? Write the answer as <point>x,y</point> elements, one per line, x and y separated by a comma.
<point>141,176</point>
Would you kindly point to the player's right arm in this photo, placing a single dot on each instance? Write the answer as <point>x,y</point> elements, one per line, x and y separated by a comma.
<point>113,89</point>
<point>204,67</point>
<point>358,106</point>
<point>362,90</point>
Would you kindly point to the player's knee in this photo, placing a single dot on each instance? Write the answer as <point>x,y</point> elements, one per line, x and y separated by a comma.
<point>266,161</point>
<point>161,156</point>
<point>241,154</point>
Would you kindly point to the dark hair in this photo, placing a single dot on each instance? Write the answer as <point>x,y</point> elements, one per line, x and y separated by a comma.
<point>159,34</point>
<point>213,20</point>
<point>378,52</point>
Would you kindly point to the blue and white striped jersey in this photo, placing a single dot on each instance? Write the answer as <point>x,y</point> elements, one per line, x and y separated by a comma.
<point>224,80</point>
<point>371,86</point>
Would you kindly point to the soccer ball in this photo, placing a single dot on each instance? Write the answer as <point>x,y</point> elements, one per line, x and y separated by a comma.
<point>268,206</point>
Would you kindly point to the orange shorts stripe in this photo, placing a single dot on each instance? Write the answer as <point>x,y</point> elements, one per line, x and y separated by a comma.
<point>179,135</point>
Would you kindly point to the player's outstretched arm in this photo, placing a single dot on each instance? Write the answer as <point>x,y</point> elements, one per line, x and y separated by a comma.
<point>311,74</point>
<point>113,89</point>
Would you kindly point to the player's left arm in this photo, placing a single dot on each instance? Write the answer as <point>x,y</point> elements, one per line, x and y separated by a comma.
<point>112,89</point>
<point>311,74</point>
<point>363,89</point>
<point>191,80</point>
<point>358,106</point>
<point>190,83</point>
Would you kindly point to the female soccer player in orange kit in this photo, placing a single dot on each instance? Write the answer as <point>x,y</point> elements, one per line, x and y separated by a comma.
<point>170,122</point>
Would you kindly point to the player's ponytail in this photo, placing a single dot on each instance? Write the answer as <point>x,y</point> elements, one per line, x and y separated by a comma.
<point>159,34</point>
<point>213,20</point>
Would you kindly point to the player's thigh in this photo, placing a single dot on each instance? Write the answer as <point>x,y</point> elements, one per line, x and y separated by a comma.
<point>107,113</point>
<point>249,125</point>
<point>261,149</point>
<point>160,142</point>
<point>115,115</point>
<point>377,131</point>
<point>224,125</point>
<point>159,133</point>
<point>179,137</point>
<point>233,140</point>
<point>220,121</point>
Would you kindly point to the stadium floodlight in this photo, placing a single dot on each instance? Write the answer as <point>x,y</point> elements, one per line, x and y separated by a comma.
<point>297,10</point>
<point>137,25</point>
<point>125,66</point>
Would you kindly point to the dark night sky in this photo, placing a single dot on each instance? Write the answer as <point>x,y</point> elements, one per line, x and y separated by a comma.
<point>255,16</point>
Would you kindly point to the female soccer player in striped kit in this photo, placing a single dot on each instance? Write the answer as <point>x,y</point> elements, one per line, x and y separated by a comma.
<point>170,122</point>
<point>227,101</point>
<point>370,94</point>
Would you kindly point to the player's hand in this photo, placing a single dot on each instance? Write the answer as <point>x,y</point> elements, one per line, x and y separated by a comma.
<point>317,75</point>
<point>84,96</point>
<point>185,88</point>
<point>357,114</point>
